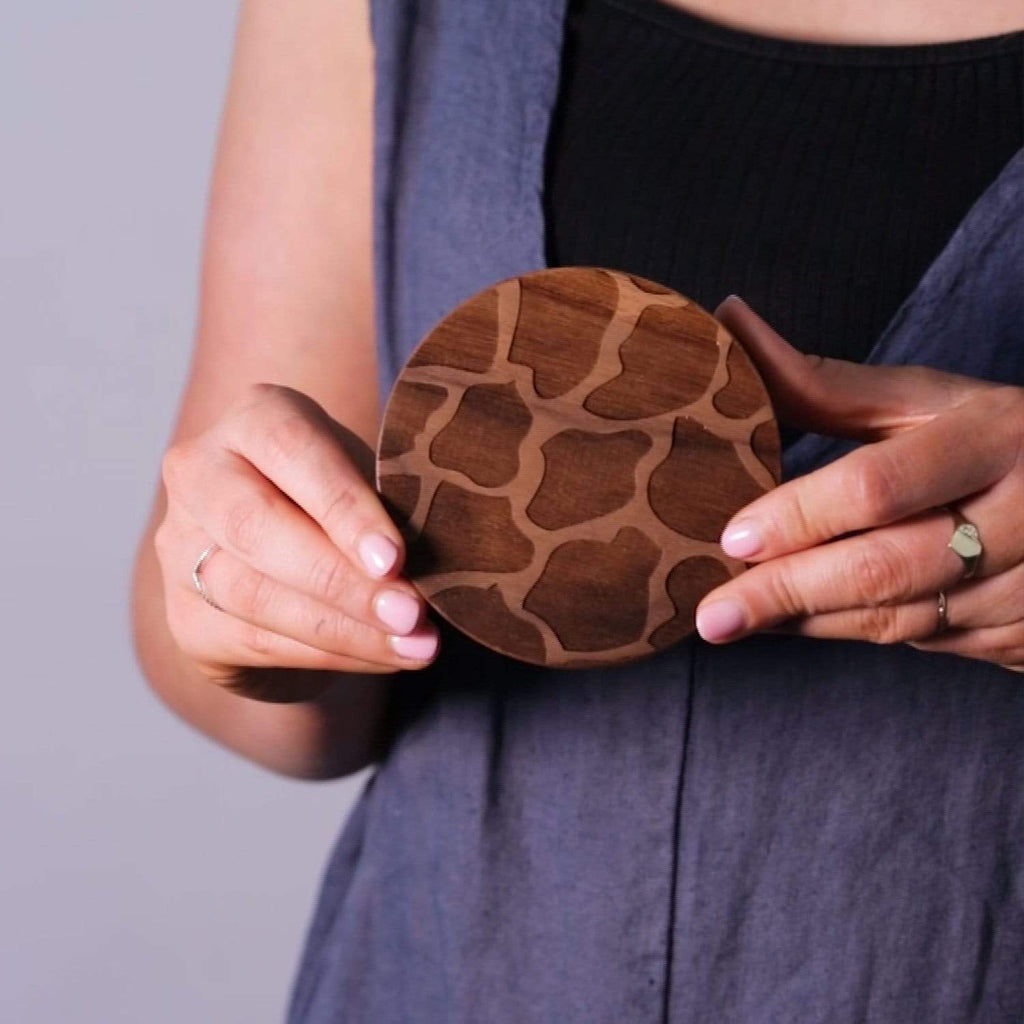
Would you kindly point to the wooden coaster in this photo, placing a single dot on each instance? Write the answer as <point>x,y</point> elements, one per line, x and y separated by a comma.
<point>563,451</point>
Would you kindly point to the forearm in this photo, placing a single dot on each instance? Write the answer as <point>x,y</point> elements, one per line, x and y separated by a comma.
<point>333,729</point>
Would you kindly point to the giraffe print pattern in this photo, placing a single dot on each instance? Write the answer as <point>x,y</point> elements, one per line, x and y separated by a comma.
<point>563,451</point>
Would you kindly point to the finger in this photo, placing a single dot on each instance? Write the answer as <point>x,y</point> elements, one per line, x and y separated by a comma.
<point>243,593</point>
<point>980,604</point>
<point>1001,645</point>
<point>251,518</point>
<point>895,564</point>
<point>885,482</point>
<point>292,441</point>
<point>840,398</point>
<point>242,645</point>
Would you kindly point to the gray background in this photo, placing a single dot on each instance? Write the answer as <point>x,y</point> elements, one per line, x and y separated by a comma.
<point>145,875</point>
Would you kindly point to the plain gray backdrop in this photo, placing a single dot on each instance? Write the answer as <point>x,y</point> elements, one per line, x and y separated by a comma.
<point>145,875</point>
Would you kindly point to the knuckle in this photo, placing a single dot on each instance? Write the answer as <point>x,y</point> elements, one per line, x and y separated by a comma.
<point>278,398</point>
<point>876,487</point>
<point>882,625</point>
<point>288,436</point>
<point>245,523</point>
<point>340,507</point>
<point>814,373</point>
<point>264,390</point>
<point>260,392</point>
<point>250,593</point>
<point>801,522</point>
<point>259,643</point>
<point>163,540</point>
<point>785,594</point>
<point>336,634</point>
<point>257,395</point>
<point>174,465</point>
<point>878,573</point>
<point>331,579</point>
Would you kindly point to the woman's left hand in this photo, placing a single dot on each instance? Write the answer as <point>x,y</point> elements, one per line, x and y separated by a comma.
<point>859,549</point>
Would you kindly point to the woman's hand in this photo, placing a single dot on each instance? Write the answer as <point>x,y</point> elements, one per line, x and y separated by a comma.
<point>306,570</point>
<point>858,549</point>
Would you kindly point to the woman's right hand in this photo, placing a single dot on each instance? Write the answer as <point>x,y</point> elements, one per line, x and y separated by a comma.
<point>306,572</point>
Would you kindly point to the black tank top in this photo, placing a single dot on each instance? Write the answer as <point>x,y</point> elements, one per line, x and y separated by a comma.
<point>818,181</point>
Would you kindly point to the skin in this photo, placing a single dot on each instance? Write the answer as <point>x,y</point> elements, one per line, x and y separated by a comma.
<point>938,439</point>
<point>268,457</point>
<point>270,454</point>
<point>889,22</point>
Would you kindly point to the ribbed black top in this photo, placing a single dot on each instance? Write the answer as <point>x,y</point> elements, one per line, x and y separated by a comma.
<point>818,181</point>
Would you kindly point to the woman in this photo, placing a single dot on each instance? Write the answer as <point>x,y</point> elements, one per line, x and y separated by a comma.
<point>763,827</point>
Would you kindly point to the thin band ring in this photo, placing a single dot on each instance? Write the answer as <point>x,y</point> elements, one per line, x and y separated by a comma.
<point>197,579</point>
<point>943,613</point>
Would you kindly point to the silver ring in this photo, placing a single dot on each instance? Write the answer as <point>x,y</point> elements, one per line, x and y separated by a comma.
<point>966,542</point>
<point>197,579</point>
<point>943,613</point>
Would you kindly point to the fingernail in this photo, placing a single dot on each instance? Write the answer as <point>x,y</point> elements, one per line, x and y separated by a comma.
<point>378,553</point>
<point>415,648</point>
<point>743,539</point>
<point>720,620</point>
<point>399,612</point>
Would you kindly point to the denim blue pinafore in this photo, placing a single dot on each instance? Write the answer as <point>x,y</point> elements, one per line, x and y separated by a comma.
<point>780,830</point>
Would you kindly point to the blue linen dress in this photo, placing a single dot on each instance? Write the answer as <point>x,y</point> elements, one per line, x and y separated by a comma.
<point>780,830</point>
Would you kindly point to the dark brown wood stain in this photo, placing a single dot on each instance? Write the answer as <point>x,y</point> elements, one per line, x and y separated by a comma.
<point>564,449</point>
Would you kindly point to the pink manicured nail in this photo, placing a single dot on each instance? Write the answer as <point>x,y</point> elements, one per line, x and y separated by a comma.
<point>743,539</point>
<point>377,553</point>
<point>399,612</point>
<point>720,620</point>
<point>415,648</point>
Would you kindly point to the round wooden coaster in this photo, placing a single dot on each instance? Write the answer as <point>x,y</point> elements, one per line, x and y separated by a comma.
<point>563,451</point>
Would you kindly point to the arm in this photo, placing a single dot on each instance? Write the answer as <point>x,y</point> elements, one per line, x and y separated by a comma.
<point>287,298</point>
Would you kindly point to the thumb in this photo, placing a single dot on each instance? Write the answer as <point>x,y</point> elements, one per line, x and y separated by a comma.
<point>840,398</point>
